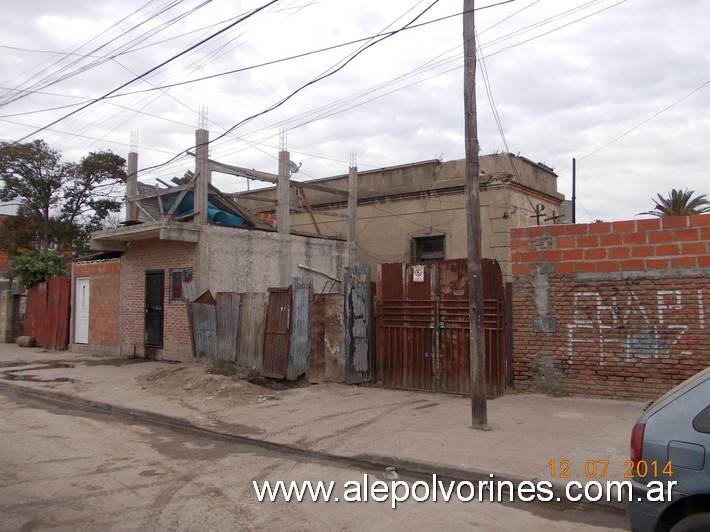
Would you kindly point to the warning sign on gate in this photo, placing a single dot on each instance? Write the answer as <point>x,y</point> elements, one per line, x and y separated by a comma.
<point>418,274</point>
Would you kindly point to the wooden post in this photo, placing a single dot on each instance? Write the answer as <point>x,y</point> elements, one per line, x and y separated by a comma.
<point>477,354</point>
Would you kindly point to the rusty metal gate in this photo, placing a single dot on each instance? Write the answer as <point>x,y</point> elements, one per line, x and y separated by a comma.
<point>276,336</point>
<point>47,317</point>
<point>423,326</point>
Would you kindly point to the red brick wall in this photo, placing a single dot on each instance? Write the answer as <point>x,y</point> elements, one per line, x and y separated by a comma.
<point>104,298</point>
<point>155,255</point>
<point>618,309</point>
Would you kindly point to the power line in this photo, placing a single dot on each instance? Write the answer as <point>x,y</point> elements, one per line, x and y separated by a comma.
<point>150,71</point>
<point>705,84</point>
<point>331,71</point>
<point>55,77</point>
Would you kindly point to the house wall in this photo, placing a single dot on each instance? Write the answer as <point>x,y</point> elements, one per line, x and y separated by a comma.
<point>614,309</point>
<point>234,260</point>
<point>423,199</point>
<point>164,255</point>
<point>104,304</point>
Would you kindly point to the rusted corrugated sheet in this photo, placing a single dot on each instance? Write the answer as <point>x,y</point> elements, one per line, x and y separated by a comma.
<point>204,327</point>
<point>452,355</point>
<point>47,316</point>
<point>302,289</point>
<point>227,316</point>
<point>316,354</point>
<point>58,306</point>
<point>406,320</point>
<point>276,336</point>
<point>494,326</point>
<point>423,328</point>
<point>252,326</point>
<point>326,362</point>
<point>356,317</point>
<point>36,311</point>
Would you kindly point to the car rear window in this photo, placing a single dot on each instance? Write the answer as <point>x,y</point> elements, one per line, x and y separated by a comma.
<point>701,423</point>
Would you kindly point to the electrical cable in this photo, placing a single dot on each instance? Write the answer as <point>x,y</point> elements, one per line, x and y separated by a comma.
<point>151,70</point>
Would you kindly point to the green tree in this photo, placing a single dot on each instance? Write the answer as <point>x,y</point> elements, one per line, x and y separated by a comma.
<point>680,203</point>
<point>59,203</point>
<point>36,266</point>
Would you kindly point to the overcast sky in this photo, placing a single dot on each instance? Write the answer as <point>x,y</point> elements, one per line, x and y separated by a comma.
<point>622,86</point>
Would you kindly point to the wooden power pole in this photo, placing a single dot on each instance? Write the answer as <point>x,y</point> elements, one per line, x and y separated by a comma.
<point>477,354</point>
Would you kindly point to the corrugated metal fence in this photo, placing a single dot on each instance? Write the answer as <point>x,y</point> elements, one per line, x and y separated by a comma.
<point>47,317</point>
<point>289,332</point>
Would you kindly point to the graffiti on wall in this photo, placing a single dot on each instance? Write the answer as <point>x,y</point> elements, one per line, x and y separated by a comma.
<point>621,327</point>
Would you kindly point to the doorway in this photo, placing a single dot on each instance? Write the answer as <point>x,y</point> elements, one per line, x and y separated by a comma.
<point>154,296</point>
<point>81,325</point>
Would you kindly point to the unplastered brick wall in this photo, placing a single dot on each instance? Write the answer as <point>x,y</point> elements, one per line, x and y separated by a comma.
<point>618,309</point>
<point>140,257</point>
<point>104,298</point>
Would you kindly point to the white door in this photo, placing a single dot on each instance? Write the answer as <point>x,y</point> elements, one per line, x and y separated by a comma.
<point>81,323</point>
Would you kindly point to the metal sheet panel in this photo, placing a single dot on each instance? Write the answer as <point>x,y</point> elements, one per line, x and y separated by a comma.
<point>58,305</point>
<point>47,316</point>
<point>204,327</point>
<point>276,335</point>
<point>227,317</point>
<point>356,317</point>
<point>36,311</point>
<point>452,354</point>
<point>302,290</point>
<point>406,320</point>
<point>252,327</point>
<point>494,326</point>
<point>326,362</point>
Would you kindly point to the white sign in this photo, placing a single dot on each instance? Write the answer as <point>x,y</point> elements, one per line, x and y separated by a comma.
<point>418,274</point>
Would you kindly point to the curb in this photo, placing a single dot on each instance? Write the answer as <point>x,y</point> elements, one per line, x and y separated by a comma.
<point>368,461</point>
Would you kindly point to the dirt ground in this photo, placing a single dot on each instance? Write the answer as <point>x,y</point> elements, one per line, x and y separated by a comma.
<point>206,378</point>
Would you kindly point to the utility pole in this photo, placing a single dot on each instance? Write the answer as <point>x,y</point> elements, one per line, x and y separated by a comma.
<point>477,354</point>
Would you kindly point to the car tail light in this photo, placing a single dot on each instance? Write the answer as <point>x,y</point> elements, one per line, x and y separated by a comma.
<point>637,442</point>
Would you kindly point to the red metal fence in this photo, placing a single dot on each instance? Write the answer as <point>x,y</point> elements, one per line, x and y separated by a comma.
<point>47,316</point>
<point>423,327</point>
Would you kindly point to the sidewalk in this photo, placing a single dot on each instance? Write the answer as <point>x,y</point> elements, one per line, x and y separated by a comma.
<point>419,431</point>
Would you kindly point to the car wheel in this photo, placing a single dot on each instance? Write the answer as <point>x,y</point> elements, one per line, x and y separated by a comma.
<point>693,523</point>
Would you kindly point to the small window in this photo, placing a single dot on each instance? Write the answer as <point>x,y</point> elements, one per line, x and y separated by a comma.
<point>428,248</point>
<point>177,279</point>
<point>701,423</point>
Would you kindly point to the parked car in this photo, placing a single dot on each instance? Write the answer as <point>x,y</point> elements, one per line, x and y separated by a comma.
<point>671,443</point>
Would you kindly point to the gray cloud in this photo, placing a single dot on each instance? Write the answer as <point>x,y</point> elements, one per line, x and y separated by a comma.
<point>561,95</point>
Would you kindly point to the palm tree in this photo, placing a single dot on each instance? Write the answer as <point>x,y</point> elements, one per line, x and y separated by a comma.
<point>680,203</point>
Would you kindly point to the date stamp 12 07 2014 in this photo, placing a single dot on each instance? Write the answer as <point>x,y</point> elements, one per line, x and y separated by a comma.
<point>641,469</point>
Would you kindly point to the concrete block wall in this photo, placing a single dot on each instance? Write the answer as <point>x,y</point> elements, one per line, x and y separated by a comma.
<point>104,297</point>
<point>155,255</point>
<point>617,309</point>
<point>235,260</point>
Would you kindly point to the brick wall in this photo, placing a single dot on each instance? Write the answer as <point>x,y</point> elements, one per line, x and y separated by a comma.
<point>616,309</point>
<point>104,298</point>
<point>155,255</point>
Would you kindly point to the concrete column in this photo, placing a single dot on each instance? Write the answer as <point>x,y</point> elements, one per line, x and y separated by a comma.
<point>352,213</point>
<point>203,173</point>
<point>283,193</point>
<point>132,187</point>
